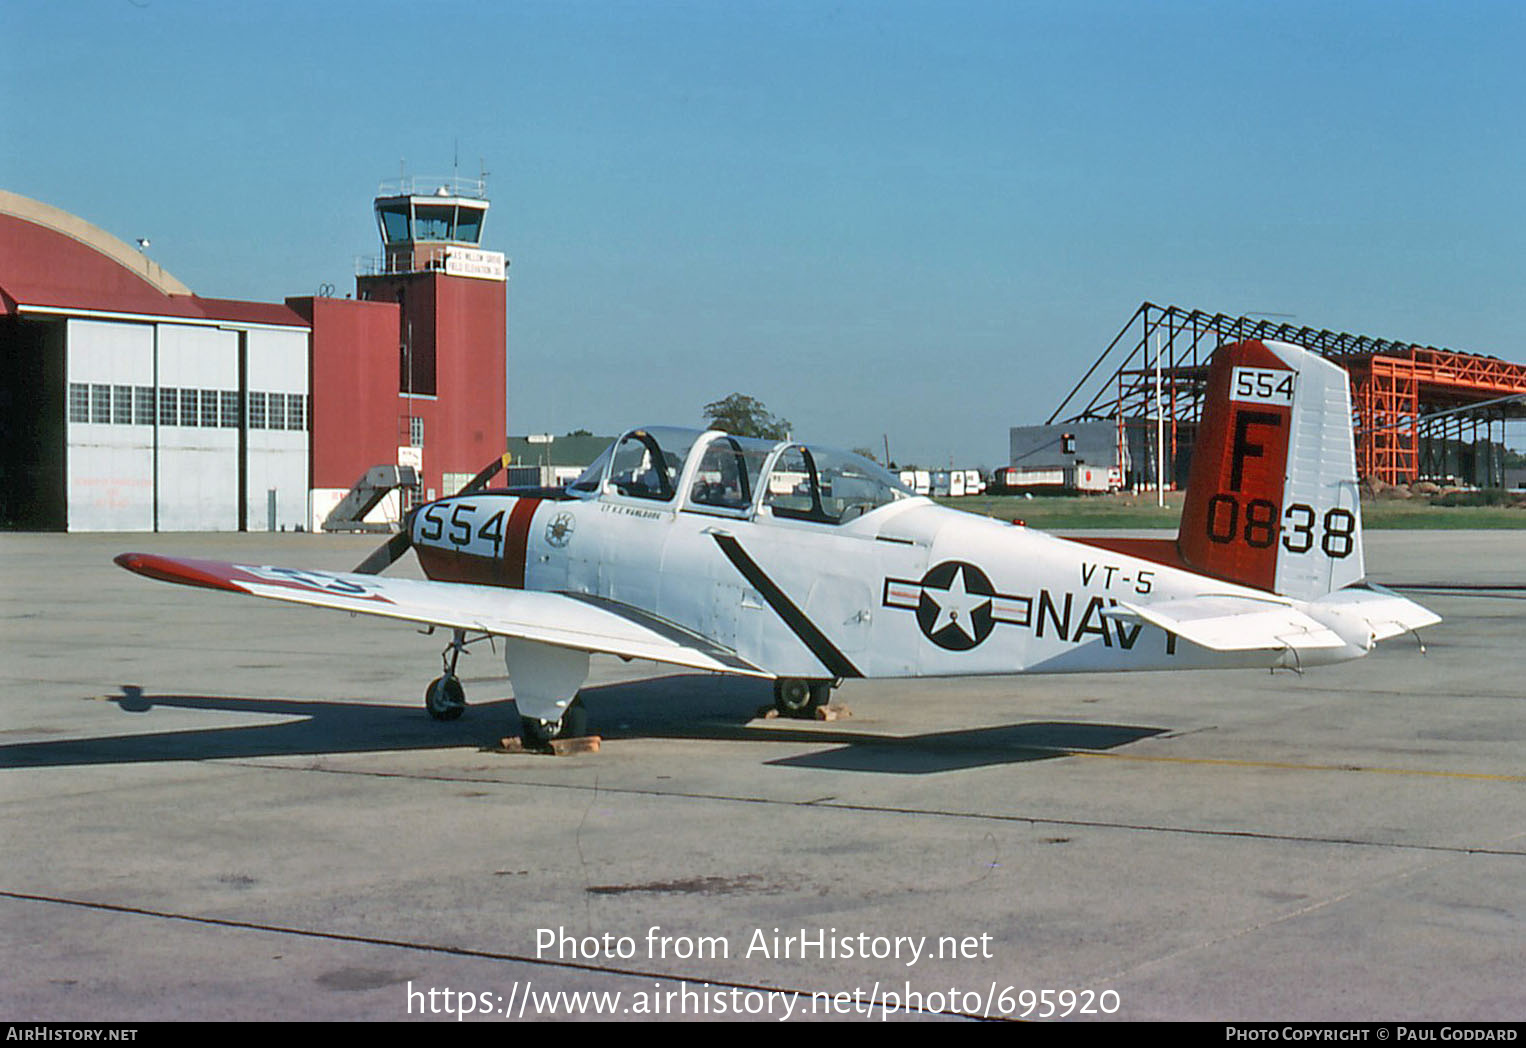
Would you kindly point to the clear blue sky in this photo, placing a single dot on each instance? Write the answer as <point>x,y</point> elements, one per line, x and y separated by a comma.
<point>921,219</point>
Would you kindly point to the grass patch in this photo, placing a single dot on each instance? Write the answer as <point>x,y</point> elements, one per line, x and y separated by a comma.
<point>1092,511</point>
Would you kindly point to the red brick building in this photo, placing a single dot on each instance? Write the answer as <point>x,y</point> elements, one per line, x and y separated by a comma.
<point>131,403</point>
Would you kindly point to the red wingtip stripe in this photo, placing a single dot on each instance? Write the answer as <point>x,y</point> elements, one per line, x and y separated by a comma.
<point>167,569</point>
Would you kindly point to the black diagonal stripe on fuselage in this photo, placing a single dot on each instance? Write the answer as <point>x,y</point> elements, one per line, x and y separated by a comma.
<point>668,630</point>
<point>835,661</point>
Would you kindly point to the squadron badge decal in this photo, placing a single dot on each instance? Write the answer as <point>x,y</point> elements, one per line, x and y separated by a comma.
<point>559,530</point>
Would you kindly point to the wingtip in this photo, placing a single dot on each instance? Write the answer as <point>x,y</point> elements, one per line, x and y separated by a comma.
<point>186,572</point>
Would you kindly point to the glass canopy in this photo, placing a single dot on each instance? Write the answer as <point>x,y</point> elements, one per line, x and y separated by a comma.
<point>713,472</point>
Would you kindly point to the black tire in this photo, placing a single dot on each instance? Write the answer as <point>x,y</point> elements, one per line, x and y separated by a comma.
<point>799,698</point>
<point>537,734</point>
<point>574,720</point>
<point>445,699</point>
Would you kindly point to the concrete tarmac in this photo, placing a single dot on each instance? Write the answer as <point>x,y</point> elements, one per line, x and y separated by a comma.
<point>216,807</point>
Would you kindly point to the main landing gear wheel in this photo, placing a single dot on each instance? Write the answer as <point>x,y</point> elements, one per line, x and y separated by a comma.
<point>445,699</point>
<point>800,698</point>
<point>537,734</point>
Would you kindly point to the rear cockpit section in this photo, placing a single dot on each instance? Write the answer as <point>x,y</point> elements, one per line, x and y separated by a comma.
<point>827,486</point>
<point>719,474</point>
<point>728,473</point>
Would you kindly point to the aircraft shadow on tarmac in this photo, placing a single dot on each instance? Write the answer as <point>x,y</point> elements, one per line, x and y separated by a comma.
<point>703,707</point>
<point>679,707</point>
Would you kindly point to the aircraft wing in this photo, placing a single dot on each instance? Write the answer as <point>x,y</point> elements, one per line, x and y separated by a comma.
<point>568,620</point>
<point>1233,623</point>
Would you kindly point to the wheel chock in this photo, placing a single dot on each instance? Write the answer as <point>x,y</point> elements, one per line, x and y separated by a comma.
<point>558,747</point>
<point>821,713</point>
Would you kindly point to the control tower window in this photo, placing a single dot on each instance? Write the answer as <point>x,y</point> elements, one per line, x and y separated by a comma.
<point>468,224</point>
<point>434,222</point>
<point>394,218</point>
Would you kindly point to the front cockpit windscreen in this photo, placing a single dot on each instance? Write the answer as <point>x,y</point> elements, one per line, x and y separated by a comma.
<point>588,481</point>
<point>828,486</point>
<point>643,464</point>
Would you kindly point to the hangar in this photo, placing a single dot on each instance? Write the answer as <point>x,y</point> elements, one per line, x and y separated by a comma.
<point>129,403</point>
<point>1419,412</point>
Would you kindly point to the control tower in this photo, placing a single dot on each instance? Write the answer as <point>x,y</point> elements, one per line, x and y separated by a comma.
<point>450,298</point>
<point>435,224</point>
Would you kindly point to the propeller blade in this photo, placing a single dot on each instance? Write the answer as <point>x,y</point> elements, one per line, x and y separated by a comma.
<point>384,556</point>
<point>488,472</point>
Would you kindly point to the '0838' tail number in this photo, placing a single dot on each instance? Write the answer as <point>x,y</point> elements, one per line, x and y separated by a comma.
<point>1301,526</point>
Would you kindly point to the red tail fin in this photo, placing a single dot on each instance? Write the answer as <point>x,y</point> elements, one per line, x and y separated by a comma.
<point>1271,501</point>
<point>1234,495</point>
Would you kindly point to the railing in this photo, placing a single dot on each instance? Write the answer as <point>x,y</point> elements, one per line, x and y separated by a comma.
<point>430,185</point>
<point>383,265</point>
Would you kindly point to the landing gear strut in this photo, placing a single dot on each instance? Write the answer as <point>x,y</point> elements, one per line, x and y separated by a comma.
<point>800,698</point>
<point>445,699</point>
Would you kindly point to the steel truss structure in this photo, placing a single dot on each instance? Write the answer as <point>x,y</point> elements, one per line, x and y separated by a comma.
<point>1419,412</point>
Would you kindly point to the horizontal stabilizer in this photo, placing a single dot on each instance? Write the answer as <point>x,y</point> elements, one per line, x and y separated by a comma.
<point>1381,611</point>
<point>1232,623</point>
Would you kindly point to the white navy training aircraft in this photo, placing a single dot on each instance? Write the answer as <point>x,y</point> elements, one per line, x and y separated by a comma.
<point>808,566</point>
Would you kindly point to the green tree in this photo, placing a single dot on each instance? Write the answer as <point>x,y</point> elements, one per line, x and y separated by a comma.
<point>743,416</point>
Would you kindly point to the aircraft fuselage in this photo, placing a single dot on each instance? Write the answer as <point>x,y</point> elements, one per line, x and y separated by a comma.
<point>909,589</point>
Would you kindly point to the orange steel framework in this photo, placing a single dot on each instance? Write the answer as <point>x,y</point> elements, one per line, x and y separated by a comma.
<point>1395,386</point>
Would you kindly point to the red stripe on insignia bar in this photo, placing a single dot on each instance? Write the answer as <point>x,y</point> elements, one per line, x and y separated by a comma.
<point>517,543</point>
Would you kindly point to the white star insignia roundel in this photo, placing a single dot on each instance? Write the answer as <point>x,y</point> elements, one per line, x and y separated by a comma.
<point>956,605</point>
